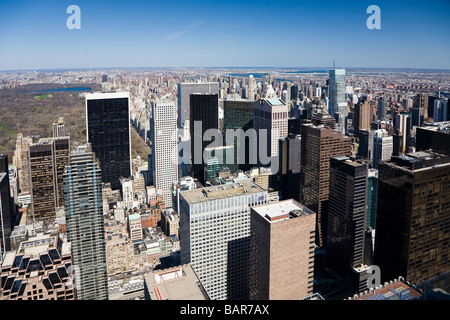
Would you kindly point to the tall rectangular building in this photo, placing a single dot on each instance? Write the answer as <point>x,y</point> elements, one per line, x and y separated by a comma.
<point>164,146</point>
<point>362,117</point>
<point>412,236</point>
<point>271,115</point>
<point>337,106</point>
<point>365,147</point>
<point>204,115</point>
<point>382,147</point>
<point>403,124</point>
<point>282,251</point>
<point>185,89</point>
<point>59,129</point>
<point>381,109</point>
<point>238,114</point>
<point>108,131</point>
<point>6,226</point>
<point>215,236</point>
<point>47,159</point>
<point>347,216</point>
<point>21,161</point>
<point>85,225</point>
<point>319,144</point>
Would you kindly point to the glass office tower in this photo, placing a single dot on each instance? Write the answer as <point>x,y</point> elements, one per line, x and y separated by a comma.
<point>337,102</point>
<point>108,131</point>
<point>84,224</point>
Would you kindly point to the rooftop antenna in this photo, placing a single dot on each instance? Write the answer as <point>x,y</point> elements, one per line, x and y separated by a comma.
<point>334,64</point>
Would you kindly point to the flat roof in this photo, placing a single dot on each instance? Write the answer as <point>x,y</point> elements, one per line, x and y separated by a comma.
<point>282,210</point>
<point>177,283</point>
<point>134,217</point>
<point>107,95</point>
<point>275,102</point>
<point>220,191</point>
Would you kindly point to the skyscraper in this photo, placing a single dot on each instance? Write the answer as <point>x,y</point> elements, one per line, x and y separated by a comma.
<point>21,161</point>
<point>440,110</point>
<point>271,115</point>
<point>382,147</point>
<point>59,129</point>
<point>413,217</point>
<point>403,123</point>
<point>381,109</point>
<point>347,217</point>
<point>164,147</point>
<point>215,236</point>
<point>204,108</point>
<point>287,179</point>
<point>319,144</point>
<point>282,251</point>
<point>108,131</point>
<point>6,226</point>
<point>238,114</point>
<point>47,159</point>
<point>84,224</point>
<point>365,148</point>
<point>362,117</point>
<point>337,103</point>
<point>372,194</point>
<point>185,89</point>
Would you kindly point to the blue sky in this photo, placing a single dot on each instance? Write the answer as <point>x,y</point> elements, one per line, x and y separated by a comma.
<point>413,34</point>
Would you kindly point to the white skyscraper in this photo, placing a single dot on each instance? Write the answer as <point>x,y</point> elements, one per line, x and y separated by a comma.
<point>251,88</point>
<point>215,236</point>
<point>271,115</point>
<point>164,147</point>
<point>401,123</point>
<point>382,147</point>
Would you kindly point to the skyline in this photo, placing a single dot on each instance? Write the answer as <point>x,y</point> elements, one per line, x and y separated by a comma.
<point>226,33</point>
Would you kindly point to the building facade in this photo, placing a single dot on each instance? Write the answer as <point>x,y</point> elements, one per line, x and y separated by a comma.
<point>108,132</point>
<point>412,237</point>
<point>319,144</point>
<point>215,235</point>
<point>85,225</point>
<point>40,269</point>
<point>164,146</point>
<point>282,251</point>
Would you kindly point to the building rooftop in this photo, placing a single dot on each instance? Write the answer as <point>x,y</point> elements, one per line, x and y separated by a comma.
<point>393,290</point>
<point>275,102</point>
<point>178,283</point>
<point>134,217</point>
<point>220,191</point>
<point>282,210</point>
<point>107,95</point>
<point>419,161</point>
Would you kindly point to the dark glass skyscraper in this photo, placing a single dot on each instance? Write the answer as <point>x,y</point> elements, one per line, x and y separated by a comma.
<point>412,236</point>
<point>108,131</point>
<point>5,214</point>
<point>238,114</point>
<point>347,216</point>
<point>204,115</point>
